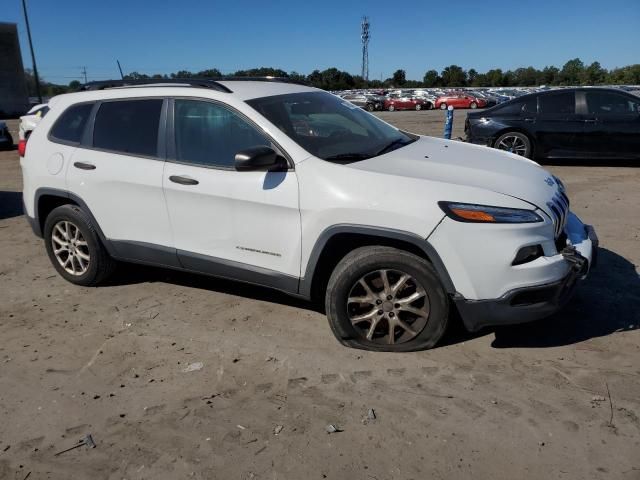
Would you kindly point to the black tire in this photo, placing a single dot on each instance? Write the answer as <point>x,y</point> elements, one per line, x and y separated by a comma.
<point>428,106</point>
<point>443,106</point>
<point>391,108</point>
<point>100,264</point>
<point>371,107</point>
<point>362,262</point>
<point>526,141</point>
<point>418,107</point>
<point>473,105</point>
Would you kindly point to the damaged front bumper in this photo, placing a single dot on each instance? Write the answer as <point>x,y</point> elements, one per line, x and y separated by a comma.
<point>530,303</point>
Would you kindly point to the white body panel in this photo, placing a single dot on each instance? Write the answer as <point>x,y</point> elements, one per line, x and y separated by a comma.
<point>247,217</point>
<point>124,193</point>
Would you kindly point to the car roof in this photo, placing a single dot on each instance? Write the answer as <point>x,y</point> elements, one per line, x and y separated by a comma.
<point>219,89</point>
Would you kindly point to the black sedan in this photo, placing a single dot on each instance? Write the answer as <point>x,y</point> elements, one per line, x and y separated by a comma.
<point>572,123</point>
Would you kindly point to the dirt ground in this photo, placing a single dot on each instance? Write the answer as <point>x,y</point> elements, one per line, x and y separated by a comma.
<point>557,399</point>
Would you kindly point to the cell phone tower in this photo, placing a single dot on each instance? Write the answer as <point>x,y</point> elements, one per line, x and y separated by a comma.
<point>365,48</point>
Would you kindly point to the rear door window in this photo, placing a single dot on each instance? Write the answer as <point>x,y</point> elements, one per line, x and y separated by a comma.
<point>560,103</point>
<point>128,126</point>
<point>611,103</point>
<point>69,127</point>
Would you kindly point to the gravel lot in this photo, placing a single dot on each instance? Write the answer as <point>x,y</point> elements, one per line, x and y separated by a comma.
<point>555,399</point>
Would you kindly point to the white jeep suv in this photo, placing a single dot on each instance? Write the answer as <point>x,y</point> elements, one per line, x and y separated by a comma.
<point>293,188</point>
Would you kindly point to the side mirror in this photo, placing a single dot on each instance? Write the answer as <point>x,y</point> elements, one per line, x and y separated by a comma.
<point>257,158</point>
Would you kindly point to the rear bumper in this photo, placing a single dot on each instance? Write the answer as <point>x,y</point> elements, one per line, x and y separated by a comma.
<point>533,303</point>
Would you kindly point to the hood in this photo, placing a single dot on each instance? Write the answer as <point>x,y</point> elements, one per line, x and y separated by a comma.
<point>459,163</point>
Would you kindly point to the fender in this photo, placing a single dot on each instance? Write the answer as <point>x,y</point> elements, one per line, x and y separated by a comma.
<point>388,233</point>
<point>75,199</point>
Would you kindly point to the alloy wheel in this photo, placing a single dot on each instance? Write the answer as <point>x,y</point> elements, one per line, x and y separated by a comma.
<point>70,248</point>
<point>388,307</point>
<point>514,144</point>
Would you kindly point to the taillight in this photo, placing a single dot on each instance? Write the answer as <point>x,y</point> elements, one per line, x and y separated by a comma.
<point>22,147</point>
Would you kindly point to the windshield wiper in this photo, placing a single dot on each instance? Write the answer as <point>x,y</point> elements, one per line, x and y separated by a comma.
<point>348,156</point>
<point>397,142</point>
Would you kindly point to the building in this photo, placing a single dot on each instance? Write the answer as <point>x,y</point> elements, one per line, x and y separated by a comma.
<point>13,87</point>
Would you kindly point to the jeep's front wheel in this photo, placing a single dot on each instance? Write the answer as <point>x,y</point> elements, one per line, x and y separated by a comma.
<point>74,247</point>
<point>386,299</point>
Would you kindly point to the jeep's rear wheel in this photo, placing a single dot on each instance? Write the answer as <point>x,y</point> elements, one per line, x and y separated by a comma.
<point>74,247</point>
<point>385,299</point>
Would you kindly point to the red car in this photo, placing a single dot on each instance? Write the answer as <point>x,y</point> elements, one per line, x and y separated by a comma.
<point>397,102</point>
<point>460,100</point>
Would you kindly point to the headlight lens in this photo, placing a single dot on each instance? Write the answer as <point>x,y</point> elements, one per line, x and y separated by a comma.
<point>468,212</point>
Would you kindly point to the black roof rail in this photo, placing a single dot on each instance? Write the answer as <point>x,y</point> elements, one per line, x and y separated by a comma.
<point>212,83</point>
<point>176,82</point>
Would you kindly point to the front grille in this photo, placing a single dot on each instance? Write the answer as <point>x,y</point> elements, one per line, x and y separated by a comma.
<point>559,206</point>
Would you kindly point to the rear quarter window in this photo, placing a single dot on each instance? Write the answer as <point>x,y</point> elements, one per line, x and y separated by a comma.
<point>529,105</point>
<point>69,127</point>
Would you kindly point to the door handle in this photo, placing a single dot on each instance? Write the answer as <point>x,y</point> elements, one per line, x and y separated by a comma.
<point>530,120</point>
<point>183,180</point>
<point>84,166</point>
<point>591,120</point>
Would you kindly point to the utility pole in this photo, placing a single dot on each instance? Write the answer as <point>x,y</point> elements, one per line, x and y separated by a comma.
<point>120,68</point>
<point>84,72</point>
<point>33,57</point>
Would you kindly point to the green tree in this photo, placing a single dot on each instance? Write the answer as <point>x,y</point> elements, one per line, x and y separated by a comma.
<point>549,76</point>
<point>74,85</point>
<point>180,74</point>
<point>495,78</point>
<point>297,77</point>
<point>261,72</point>
<point>454,76</point>
<point>572,72</point>
<point>331,79</point>
<point>209,73</point>
<point>431,79</point>
<point>594,74</point>
<point>525,77</point>
<point>472,74</point>
<point>399,78</point>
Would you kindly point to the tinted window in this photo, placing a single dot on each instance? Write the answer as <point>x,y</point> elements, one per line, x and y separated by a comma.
<point>70,126</point>
<point>128,126</point>
<point>211,135</point>
<point>558,103</point>
<point>529,105</point>
<point>611,103</point>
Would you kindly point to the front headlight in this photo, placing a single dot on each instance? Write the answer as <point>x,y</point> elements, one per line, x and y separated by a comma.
<point>468,212</point>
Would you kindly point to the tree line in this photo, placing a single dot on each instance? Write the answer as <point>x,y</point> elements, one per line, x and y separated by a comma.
<point>574,72</point>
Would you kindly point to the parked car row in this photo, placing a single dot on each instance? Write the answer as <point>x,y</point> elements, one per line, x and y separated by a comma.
<point>428,98</point>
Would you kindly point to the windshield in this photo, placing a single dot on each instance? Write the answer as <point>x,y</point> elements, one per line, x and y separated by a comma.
<point>329,127</point>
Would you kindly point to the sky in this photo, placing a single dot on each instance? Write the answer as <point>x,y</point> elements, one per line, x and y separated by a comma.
<point>167,36</point>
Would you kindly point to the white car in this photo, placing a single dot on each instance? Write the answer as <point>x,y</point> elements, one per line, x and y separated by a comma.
<point>31,120</point>
<point>293,188</point>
